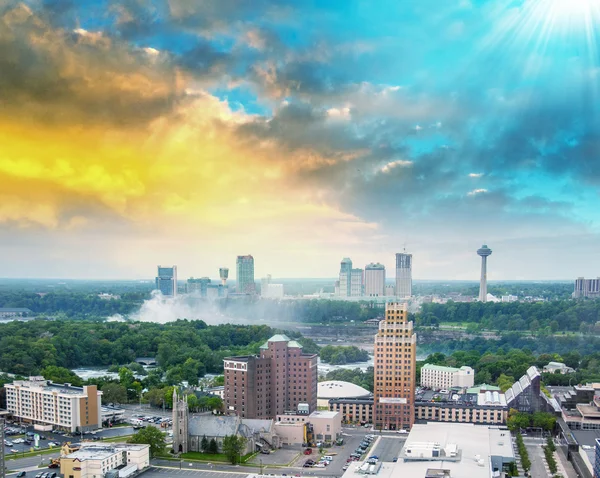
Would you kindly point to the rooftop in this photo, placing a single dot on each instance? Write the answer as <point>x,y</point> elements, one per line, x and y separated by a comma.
<point>440,368</point>
<point>323,414</point>
<point>275,338</point>
<point>474,447</point>
<point>340,389</point>
<point>100,452</point>
<point>484,387</point>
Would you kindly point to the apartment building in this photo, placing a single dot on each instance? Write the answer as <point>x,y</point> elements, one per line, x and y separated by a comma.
<point>439,377</point>
<point>395,364</point>
<point>93,460</point>
<point>48,405</point>
<point>281,379</point>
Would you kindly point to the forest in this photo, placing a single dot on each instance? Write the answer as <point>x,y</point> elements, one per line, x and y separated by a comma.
<point>339,355</point>
<point>28,347</point>
<point>535,317</point>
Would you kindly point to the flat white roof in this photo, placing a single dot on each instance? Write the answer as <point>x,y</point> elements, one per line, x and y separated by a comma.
<point>475,443</point>
<point>340,389</point>
<point>323,414</point>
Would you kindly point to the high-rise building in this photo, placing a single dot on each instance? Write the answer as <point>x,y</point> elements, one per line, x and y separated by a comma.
<point>597,460</point>
<point>375,280</point>
<point>586,288</point>
<point>245,275</point>
<point>356,282</point>
<point>395,367</point>
<point>484,252</point>
<point>281,379</point>
<point>403,274</point>
<point>346,277</point>
<point>166,280</point>
<point>197,286</point>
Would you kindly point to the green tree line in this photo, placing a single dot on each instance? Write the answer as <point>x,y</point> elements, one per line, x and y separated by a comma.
<point>182,348</point>
<point>560,315</point>
<point>336,355</point>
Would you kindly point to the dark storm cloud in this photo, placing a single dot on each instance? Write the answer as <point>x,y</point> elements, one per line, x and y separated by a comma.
<point>57,75</point>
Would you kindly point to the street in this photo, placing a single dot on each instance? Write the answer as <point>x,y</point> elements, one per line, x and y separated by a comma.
<point>388,448</point>
<point>155,472</point>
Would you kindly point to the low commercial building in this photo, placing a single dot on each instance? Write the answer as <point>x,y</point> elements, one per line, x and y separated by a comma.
<point>95,461</point>
<point>353,410</point>
<point>112,414</point>
<point>318,427</point>
<point>47,405</point>
<point>439,378</point>
<point>445,450</point>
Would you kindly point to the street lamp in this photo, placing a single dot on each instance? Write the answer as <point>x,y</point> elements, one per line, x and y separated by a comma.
<point>261,467</point>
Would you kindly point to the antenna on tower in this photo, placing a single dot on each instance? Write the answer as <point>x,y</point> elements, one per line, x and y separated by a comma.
<point>404,246</point>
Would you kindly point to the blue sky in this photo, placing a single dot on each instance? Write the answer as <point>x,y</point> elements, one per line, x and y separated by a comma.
<point>323,129</point>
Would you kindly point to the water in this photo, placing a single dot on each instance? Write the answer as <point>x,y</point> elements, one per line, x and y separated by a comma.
<point>94,372</point>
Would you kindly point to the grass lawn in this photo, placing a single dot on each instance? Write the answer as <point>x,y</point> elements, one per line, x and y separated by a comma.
<point>122,438</point>
<point>14,456</point>
<point>218,457</point>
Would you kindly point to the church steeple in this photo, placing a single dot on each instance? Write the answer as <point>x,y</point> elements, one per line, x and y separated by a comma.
<point>180,423</point>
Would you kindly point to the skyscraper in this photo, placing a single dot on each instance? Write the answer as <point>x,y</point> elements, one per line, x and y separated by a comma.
<point>245,275</point>
<point>197,286</point>
<point>403,274</point>
<point>345,277</point>
<point>375,280</point>
<point>166,281</point>
<point>395,367</point>
<point>356,282</point>
<point>484,252</point>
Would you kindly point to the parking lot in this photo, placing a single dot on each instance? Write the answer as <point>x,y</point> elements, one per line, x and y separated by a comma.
<point>389,448</point>
<point>154,472</point>
<point>13,447</point>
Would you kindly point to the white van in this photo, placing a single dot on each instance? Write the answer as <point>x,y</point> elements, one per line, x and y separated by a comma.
<point>328,458</point>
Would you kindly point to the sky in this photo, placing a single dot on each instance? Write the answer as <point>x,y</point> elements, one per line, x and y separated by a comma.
<point>143,132</point>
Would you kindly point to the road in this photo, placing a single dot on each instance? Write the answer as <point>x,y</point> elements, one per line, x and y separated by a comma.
<point>156,472</point>
<point>535,451</point>
<point>388,448</point>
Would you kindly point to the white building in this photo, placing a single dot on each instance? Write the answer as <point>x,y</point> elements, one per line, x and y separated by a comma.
<point>94,461</point>
<point>403,275</point>
<point>375,280</point>
<point>390,290</point>
<point>47,405</point>
<point>554,367</point>
<point>440,378</point>
<point>510,298</point>
<point>586,288</point>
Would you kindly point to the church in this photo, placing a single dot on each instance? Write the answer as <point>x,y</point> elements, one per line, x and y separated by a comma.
<point>188,431</point>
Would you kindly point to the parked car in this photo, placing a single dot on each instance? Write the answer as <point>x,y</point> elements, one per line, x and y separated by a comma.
<point>308,451</point>
<point>319,465</point>
<point>21,474</point>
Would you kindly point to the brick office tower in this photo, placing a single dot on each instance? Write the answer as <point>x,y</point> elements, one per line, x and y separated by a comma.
<point>275,382</point>
<point>395,363</point>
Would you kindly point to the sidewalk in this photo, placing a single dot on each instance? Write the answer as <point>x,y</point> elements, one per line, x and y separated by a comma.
<point>564,466</point>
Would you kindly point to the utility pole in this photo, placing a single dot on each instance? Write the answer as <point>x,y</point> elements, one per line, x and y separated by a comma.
<point>2,462</point>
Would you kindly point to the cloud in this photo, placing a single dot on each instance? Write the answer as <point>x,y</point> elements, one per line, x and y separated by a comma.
<point>476,192</point>
<point>475,175</point>
<point>399,163</point>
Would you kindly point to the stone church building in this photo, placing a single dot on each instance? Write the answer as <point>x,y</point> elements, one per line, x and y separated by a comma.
<point>188,431</point>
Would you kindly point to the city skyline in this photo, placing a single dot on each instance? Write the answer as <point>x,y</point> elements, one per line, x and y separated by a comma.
<point>189,132</point>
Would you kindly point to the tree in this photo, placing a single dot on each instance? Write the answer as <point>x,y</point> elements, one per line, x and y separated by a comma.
<point>544,420</point>
<point>114,393</point>
<point>233,446</point>
<point>505,382</point>
<point>517,420</point>
<point>193,402</point>
<point>204,444</point>
<point>126,377</point>
<point>213,447</point>
<point>61,375</point>
<point>190,371</point>
<point>150,436</point>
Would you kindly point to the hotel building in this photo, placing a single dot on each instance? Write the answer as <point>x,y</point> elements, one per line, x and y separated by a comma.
<point>280,380</point>
<point>48,405</point>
